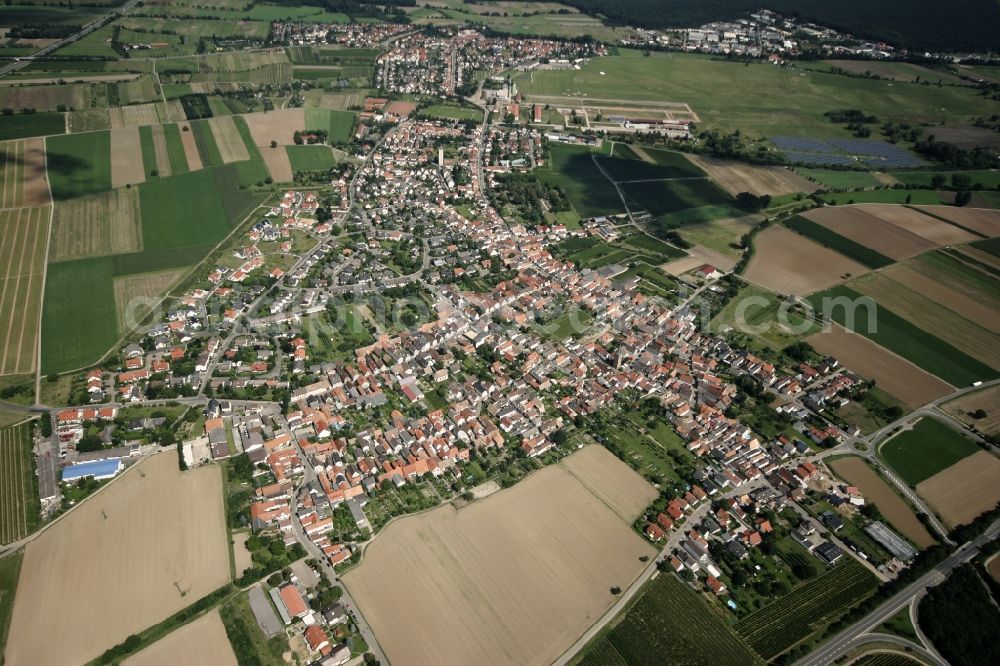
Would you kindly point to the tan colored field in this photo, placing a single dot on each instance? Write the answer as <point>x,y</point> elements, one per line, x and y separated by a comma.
<point>683,265</point>
<point>174,111</point>
<point>228,139</point>
<point>46,98</point>
<point>401,108</point>
<point>343,101</point>
<point>865,228</point>
<point>979,256</point>
<point>278,164</point>
<point>856,472</point>
<point>190,147</point>
<point>277,126</point>
<point>788,263</point>
<point>96,225</point>
<point>985,222</point>
<point>515,578</point>
<point>915,307</point>
<point>960,302</point>
<point>136,295</point>
<point>126,158</point>
<point>23,180</point>
<point>936,231</point>
<point>134,115</point>
<point>160,147</point>
<point>76,78</point>
<point>149,545</point>
<point>23,236</point>
<point>200,643</point>
<point>736,177</point>
<point>988,399</point>
<point>240,553</point>
<point>964,490</point>
<point>892,373</point>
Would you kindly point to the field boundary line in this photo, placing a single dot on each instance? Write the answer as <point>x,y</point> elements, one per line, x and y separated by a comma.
<point>13,298</point>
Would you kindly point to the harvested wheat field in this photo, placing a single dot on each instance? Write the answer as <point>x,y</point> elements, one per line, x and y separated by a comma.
<point>137,295</point>
<point>917,308</point>
<point>856,472</point>
<point>200,643</point>
<point>190,147</point>
<point>277,126</point>
<point>515,578</point>
<point>126,158</point>
<point>228,139</point>
<point>892,373</point>
<point>162,153</point>
<point>736,177</point>
<point>865,228</point>
<point>23,181</point>
<point>241,555</point>
<point>278,164</point>
<point>788,263</point>
<point>979,220</point>
<point>152,543</point>
<point>936,231</point>
<point>988,400</point>
<point>964,490</point>
<point>683,265</point>
<point>96,225</point>
<point>23,235</point>
<point>960,302</point>
<point>134,116</point>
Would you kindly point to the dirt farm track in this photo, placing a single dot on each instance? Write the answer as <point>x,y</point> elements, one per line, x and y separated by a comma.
<point>150,544</point>
<point>515,578</point>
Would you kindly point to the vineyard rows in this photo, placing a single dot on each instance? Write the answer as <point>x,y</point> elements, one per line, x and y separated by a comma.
<point>780,625</point>
<point>18,494</point>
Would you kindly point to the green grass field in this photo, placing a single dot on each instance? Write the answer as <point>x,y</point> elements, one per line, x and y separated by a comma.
<point>758,318</point>
<point>79,319</point>
<point>926,449</point>
<point>838,243</point>
<point>807,609</point>
<point>572,168</point>
<point>148,150</point>
<point>669,624</point>
<point>898,335</point>
<point>310,158</point>
<point>182,210</point>
<point>451,112</point>
<point>916,197</point>
<point>24,125</point>
<point>205,140</point>
<point>175,149</point>
<point>244,130</point>
<point>758,98</point>
<point>840,179</point>
<point>79,164</point>
<point>670,165</point>
<point>338,124</point>
<point>670,196</point>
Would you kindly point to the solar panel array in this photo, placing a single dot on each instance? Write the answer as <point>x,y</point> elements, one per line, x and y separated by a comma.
<point>846,152</point>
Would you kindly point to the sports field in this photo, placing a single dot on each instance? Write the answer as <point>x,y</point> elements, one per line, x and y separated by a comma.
<point>758,98</point>
<point>18,486</point>
<point>199,643</point>
<point>925,449</point>
<point>857,472</point>
<point>788,263</point>
<point>152,543</point>
<point>23,235</point>
<point>912,385</point>
<point>513,578</point>
<point>79,164</point>
<point>964,490</point>
<point>22,174</point>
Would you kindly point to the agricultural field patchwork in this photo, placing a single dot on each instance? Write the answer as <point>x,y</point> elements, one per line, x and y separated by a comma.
<point>23,181</point>
<point>32,124</point>
<point>978,410</point>
<point>736,177</point>
<point>19,510</point>
<point>789,263</point>
<point>338,124</point>
<point>78,291</point>
<point>964,490</point>
<point>310,158</point>
<point>79,164</point>
<point>23,236</point>
<point>96,225</point>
